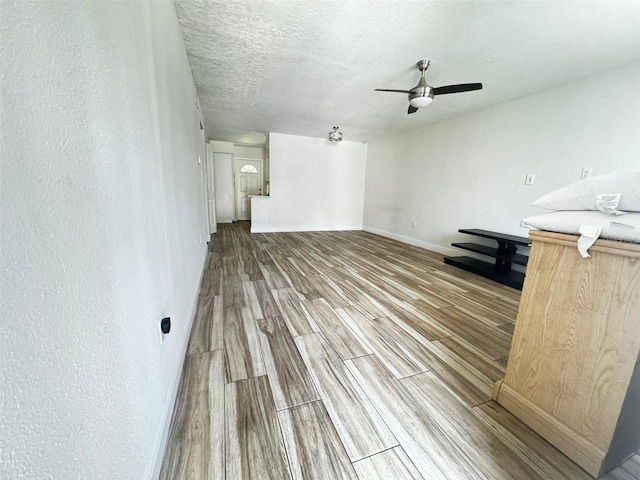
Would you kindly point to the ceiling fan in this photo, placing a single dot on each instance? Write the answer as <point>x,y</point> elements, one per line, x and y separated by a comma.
<point>422,94</point>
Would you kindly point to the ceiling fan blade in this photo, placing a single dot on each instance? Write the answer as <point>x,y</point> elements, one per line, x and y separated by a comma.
<point>412,109</point>
<point>391,90</point>
<point>463,87</point>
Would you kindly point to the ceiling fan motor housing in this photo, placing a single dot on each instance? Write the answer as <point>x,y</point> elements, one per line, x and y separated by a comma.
<point>421,91</point>
<point>421,95</point>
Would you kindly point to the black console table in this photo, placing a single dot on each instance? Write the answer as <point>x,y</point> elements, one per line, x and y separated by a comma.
<point>505,255</point>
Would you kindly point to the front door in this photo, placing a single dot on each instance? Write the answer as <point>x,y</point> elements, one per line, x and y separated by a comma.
<point>248,182</point>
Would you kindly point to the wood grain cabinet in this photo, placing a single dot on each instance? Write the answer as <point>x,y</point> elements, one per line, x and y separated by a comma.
<point>573,374</point>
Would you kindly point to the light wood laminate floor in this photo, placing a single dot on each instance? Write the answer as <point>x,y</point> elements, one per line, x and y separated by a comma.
<point>345,355</point>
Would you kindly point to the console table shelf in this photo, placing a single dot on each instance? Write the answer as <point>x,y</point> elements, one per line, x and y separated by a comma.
<point>505,255</point>
<point>493,252</point>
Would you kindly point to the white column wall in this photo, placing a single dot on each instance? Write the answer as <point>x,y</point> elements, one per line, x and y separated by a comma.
<point>315,185</point>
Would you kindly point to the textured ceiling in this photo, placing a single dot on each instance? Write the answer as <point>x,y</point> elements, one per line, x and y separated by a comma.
<point>301,67</point>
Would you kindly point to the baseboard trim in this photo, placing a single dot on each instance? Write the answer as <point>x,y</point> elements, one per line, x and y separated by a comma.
<point>434,247</point>
<point>163,435</point>
<point>283,229</point>
<point>561,436</point>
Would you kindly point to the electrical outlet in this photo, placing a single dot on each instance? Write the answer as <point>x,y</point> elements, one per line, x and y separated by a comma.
<point>414,224</point>
<point>586,173</point>
<point>529,178</point>
<point>200,238</point>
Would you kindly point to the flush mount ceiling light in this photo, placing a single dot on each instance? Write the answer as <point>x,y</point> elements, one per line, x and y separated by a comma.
<point>335,135</point>
<point>422,94</point>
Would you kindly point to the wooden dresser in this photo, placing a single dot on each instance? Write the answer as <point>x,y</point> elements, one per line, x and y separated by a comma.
<point>572,374</point>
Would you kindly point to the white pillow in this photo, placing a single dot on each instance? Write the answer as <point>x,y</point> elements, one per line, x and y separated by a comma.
<point>582,195</point>
<point>625,228</point>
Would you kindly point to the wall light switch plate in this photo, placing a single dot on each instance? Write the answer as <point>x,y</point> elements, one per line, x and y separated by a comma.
<point>529,178</point>
<point>586,173</point>
<point>199,160</point>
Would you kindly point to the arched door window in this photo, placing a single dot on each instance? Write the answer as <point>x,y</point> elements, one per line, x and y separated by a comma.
<point>248,169</point>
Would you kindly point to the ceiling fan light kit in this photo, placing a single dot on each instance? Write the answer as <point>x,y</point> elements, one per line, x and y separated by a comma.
<point>335,135</point>
<point>419,102</point>
<point>422,94</point>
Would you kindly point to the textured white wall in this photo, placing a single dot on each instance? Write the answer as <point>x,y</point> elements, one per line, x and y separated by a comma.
<point>102,209</point>
<point>315,185</point>
<point>469,171</point>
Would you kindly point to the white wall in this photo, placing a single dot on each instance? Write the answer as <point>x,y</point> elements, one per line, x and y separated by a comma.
<point>469,171</point>
<point>315,185</point>
<point>222,147</point>
<point>248,152</point>
<point>102,211</point>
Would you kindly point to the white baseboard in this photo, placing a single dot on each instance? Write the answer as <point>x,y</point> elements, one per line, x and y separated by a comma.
<point>434,247</point>
<point>332,228</point>
<point>163,435</point>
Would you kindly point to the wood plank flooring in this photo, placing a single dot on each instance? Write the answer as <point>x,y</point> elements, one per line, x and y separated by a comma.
<point>345,355</point>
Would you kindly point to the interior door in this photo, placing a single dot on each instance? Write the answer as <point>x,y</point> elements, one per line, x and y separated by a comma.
<point>211,192</point>
<point>223,182</point>
<point>248,175</point>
